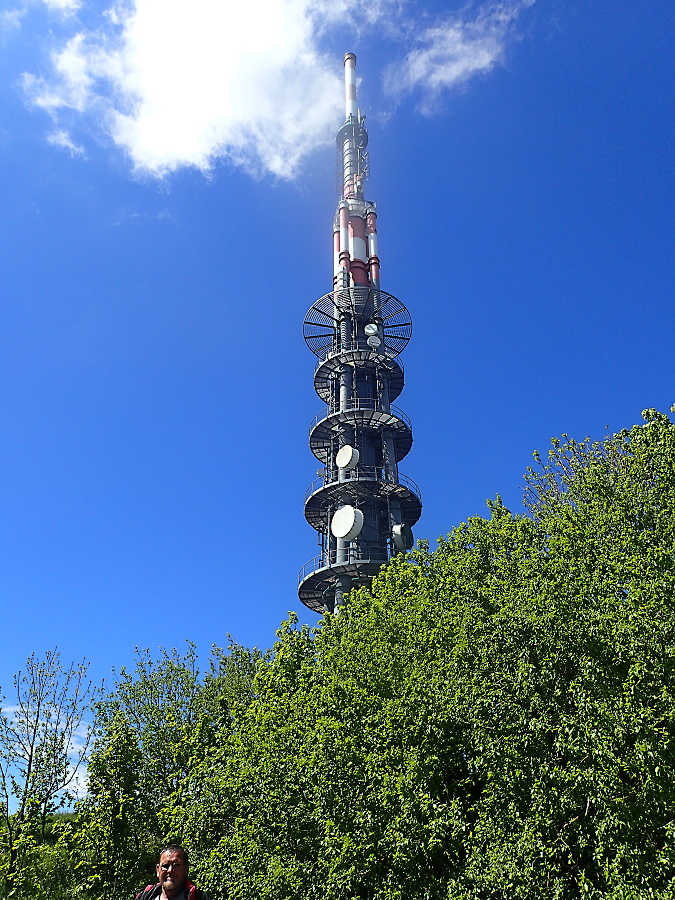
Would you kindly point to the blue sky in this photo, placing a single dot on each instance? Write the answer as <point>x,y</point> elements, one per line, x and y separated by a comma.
<point>166,203</point>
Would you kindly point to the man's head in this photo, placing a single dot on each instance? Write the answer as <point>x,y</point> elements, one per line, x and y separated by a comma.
<point>172,870</point>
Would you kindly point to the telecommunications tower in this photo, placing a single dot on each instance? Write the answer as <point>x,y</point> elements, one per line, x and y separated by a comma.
<point>362,507</point>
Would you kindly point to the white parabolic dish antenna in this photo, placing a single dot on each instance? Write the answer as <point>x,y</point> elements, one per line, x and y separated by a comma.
<point>371,328</point>
<point>403,537</point>
<point>347,457</point>
<point>347,523</point>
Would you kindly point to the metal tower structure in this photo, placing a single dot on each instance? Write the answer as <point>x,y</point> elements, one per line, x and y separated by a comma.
<point>362,507</point>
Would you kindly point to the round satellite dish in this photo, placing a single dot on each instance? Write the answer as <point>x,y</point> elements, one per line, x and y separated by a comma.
<point>370,329</point>
<point>347,457</point>
<point>347,523</point>
<point>402,536</point>
<point>374,341</point>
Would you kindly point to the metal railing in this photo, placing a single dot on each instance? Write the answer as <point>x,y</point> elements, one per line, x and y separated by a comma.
<point>358,403</point>
<point>351,554</point>
<point>359,345</point>
<point>361,473</point>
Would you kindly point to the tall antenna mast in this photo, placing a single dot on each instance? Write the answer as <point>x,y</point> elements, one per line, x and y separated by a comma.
<point>361,506</point>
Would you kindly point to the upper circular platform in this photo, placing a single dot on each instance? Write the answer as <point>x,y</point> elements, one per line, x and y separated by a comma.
<point>326,426</point>
<point>329,368</point>
<point>321,328</point>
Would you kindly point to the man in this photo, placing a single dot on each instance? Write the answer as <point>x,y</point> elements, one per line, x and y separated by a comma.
<point>172,872</point>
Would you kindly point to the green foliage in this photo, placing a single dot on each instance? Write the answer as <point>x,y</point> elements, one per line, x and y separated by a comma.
<point>151,731</point>
<point>494,719</point>
<point>44,869</point>
<point>112,834</point>
<point>43,743</point>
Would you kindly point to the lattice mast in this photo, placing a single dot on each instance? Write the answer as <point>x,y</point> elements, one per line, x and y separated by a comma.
<point>361,506</point>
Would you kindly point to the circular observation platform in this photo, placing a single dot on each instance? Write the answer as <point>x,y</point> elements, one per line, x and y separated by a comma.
<point>364,483</point>
<point>328,369</point>
<point>317,577</point>
<point>325,426</point>
<point>321,327</point>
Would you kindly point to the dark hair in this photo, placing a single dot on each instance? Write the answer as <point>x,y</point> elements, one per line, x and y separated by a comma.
<point>174,848</point>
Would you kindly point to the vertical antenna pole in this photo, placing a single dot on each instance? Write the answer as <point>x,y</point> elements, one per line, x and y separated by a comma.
<point>350,153</point>
<point>350,85</point>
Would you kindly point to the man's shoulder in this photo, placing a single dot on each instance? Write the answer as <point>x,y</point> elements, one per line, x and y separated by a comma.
<point>149,892</point>
<point>153,891</point>
<point>195,893</point>
<point>198,895</point>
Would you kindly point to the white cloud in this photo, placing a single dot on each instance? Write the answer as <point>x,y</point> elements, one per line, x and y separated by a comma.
<point>65,6</point>
<point>80,739</point>
<point>77,768</point>
<point>186,82</point>
<point>454,50</point>
<point>182,83</point>
<point>61,138</point>
<point>10,19</point>
<point>73,82</point>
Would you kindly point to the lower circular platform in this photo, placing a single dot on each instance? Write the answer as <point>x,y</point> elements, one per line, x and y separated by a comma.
<point>317,578</point>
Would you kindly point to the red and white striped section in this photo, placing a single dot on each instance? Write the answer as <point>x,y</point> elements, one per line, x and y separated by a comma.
<point>355,253</point>
<point>350,85</point>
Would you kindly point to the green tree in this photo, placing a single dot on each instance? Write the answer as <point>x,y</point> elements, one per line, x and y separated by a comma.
<point>112,836</point>
<point>494,719</point>
<point>150,733</point>
<point>43,745</point>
